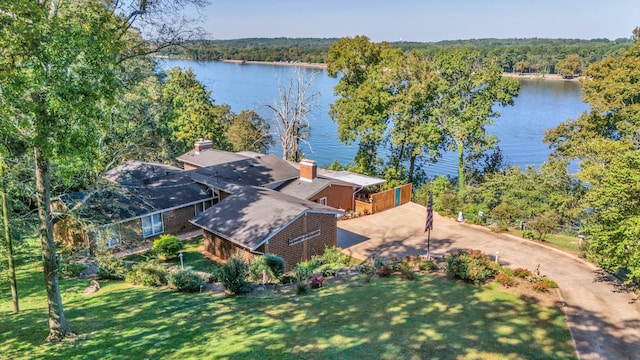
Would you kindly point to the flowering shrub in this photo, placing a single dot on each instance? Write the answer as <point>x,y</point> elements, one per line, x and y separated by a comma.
<point>540,287</point>
<point>316,281</point>
<point>505,280</point>
<point>522,273</point>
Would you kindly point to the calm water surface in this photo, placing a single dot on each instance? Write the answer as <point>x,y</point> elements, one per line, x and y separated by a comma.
<point>540,105</point>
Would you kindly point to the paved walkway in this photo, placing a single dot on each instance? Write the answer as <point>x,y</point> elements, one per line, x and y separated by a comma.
<point>603,318</point>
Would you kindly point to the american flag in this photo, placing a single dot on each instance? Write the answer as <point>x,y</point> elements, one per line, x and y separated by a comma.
<point>429,225</point>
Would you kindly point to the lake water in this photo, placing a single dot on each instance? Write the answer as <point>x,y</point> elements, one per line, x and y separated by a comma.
<point>541,104</point>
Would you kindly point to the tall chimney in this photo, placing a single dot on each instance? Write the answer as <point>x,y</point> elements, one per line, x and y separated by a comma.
<point>308,170</point>
<point>202,145</point>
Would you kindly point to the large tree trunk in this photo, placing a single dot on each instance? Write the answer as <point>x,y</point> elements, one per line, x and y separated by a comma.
<point>7,235</point>
<point>58,327</point>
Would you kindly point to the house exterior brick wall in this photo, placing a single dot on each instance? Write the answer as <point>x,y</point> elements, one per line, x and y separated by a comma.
<point>188,166</point>
<point>177,221</point>
<point>338,196</point>
<point>293,254</point>
<point>223,248</point>
<point>279,244</point>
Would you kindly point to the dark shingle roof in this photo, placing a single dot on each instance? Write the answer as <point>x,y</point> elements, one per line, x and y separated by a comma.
<point>135,172</point>
<point>210,157</point>
<point>251,215</point>
<point>259,171</point>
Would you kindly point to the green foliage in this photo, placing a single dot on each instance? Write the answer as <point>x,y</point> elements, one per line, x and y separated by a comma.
<point>605,143</point>
<point>406,271</point>
<point>185,281</point>
<point>233,275</point>
<point>72,269</point>
<point>540,287</point>
<point>168,246</point>
<point>544,224</point>
<point>427,265</point>
<point>570,66</point>
<point>273,264</point>
<point>522,273</point>
<point>384,271</point>
<point>470,265</point>
<point>110,267</point>
<point>528,234</point>
<point>191,113</point>
<point>147,274</point>
<point>250,132</point>
<point>506,214</point>
<point>505,279</point>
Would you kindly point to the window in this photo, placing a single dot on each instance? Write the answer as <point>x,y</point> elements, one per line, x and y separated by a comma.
<point>323,200</point>
<point>152,225</point>
<point>200,207</point>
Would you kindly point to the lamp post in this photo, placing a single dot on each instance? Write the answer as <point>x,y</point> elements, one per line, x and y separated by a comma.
<point>497,254</point>
<point>181,262</point>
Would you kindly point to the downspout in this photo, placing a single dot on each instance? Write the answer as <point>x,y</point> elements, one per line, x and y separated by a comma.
<point>353,200</point>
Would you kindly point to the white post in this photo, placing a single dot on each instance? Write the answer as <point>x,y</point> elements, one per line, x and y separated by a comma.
<point>181,262</point>
<point>497,254</point>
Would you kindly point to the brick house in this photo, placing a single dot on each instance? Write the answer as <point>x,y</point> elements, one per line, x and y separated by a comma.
<point>244,202</point>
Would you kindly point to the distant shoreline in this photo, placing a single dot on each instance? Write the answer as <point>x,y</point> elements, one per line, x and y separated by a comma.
<point>530,76</point>
<point>534,76</point>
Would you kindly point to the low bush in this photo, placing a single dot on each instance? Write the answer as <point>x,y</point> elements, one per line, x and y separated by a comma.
<point>540,287</point>
<point>214,275</point>
<point>550,283</point>
<point>185,281</point>
<point>233,275</point>
<point>167,246</point>
<point>527,234</point>
<point>316,281</point>
<point>110,268</point>
<point>147,274</point>
<point>505,280</point>
<point>384,271</point>
<point>272,264</point>
<point>471,265</point>
<point>427,265</point>
<point>406,271</point>
<point>73,269</point>
<point>522,273</point>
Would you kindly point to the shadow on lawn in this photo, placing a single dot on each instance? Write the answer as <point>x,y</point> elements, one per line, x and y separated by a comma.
<point>430,317</point>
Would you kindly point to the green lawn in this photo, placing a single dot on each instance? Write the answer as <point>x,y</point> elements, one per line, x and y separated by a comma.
<point>192,258</point>
<point>431,317</point>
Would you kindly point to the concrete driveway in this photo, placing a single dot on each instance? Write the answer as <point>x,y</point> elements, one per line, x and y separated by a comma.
<point>603,318</point>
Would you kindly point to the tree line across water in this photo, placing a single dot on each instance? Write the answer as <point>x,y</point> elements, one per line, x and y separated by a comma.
<point>533,55</point>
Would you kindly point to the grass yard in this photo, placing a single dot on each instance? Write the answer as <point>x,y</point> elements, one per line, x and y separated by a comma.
<point>389,318</point>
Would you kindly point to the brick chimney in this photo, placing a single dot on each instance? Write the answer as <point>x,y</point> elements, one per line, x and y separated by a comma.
<point>308,170</point>
<point>202,145</point>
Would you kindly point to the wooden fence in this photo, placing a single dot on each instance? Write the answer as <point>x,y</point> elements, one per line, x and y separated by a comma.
<point>385,200</point>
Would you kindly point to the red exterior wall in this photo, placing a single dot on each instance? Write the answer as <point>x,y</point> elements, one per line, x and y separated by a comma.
<point>223,248</point>
<point>338,196</point>
<point>279,244</point>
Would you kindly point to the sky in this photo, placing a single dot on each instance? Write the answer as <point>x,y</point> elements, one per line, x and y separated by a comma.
<point>421,20</point>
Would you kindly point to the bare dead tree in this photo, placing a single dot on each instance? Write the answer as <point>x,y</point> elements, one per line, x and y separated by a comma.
<point>291,110</point>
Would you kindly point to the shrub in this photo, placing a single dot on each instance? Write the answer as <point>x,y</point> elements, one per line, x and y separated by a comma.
<point>333,255</point>
<point>470,265</point>
<point>383,271</point>
<point>505,280</point>
<point>522,273</point>
<point>110,268</point>
<point>272,264</point>
<point>316,281</point>
<point>528,234</point>
<point>167,246</point>
<point>185,281</point>
<point>304,270</point>
<point>214,275</point>
<point>540,287</point>
<point>301,287</point>
<point>406,271</point>
<point>506,214</point>
<point>550,283</point>
<point>147,274</point>
<point>73,269</point>
<point>233,275</point>
<point>427,265</point>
